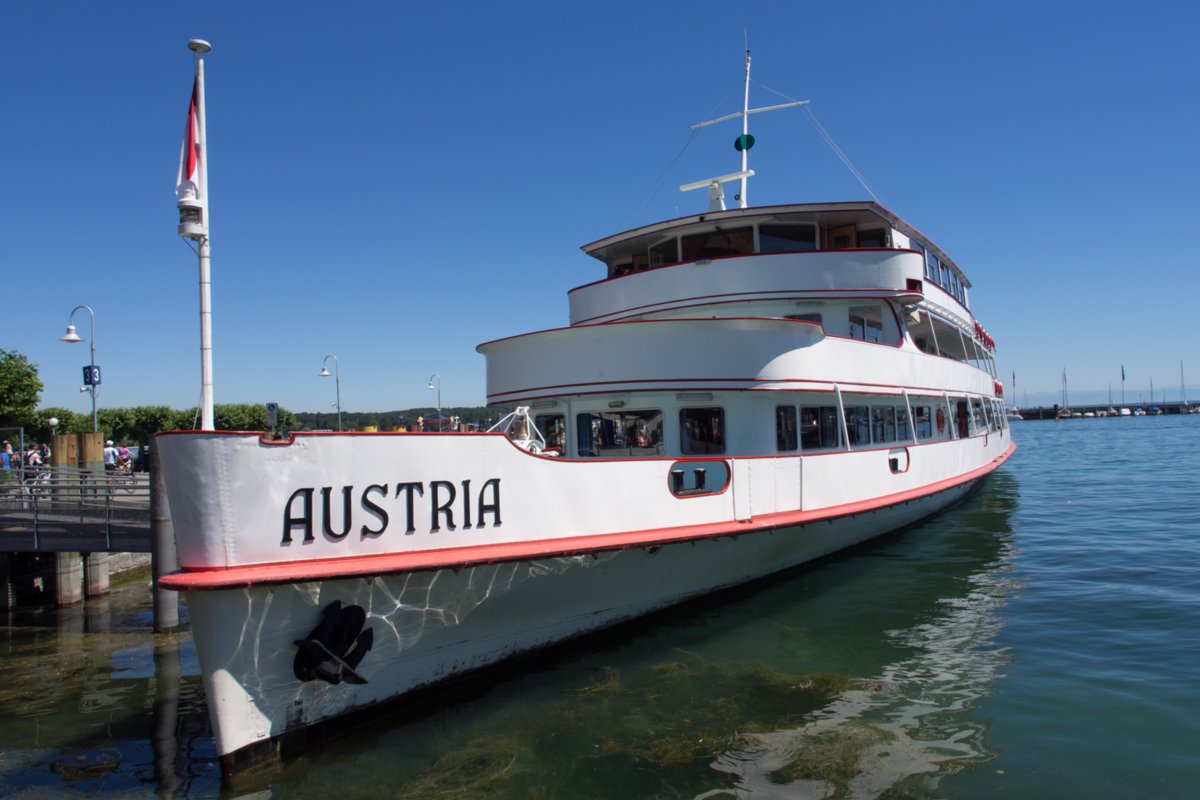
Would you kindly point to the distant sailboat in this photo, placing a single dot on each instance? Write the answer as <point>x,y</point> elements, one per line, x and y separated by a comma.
<point>1013,412</point>
<point>1065,411</point>
<point>1184,407</point>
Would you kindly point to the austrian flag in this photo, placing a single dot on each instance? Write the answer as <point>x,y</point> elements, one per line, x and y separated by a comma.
<point>187,183</point>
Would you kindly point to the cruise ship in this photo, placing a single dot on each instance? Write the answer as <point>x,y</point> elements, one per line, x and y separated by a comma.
<point>737,392</point>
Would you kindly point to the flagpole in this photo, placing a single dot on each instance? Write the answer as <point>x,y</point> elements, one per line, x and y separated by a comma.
<point>200,47</point>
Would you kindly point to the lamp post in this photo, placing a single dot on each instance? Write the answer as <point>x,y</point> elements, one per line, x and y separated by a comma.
<point>337,379</point>
<point>438,378</point>
<point>93,376</point>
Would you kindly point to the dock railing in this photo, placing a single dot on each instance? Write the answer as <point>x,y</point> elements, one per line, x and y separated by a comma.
<point>60,500</point>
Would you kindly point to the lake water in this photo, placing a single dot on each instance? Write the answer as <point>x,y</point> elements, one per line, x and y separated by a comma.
<point>1040,639</point>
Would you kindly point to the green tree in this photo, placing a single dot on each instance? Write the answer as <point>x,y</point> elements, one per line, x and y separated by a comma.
<point>149,420</point>
<point>241,417</point>
<point>20,389</point>
<point>68,422</point>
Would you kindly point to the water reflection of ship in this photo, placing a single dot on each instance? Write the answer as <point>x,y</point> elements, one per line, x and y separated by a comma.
<point>908,724</point>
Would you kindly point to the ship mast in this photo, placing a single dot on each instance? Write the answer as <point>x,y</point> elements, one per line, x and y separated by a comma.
<point>742,144</point>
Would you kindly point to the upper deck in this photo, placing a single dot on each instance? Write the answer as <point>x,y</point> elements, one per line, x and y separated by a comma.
<point>766,253</point>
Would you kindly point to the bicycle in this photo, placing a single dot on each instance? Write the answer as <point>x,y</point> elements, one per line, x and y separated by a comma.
<point>122,478</point>
<point>36,483</point>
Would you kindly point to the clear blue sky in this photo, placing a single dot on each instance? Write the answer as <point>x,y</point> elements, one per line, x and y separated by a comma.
<point>395,183</point>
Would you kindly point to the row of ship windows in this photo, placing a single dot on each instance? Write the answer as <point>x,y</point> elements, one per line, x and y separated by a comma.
<point>942,274</point>
<point>614,434</point>
<point>772,238</point>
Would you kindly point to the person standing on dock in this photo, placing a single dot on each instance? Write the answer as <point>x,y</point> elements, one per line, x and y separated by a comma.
<point>110,456</point>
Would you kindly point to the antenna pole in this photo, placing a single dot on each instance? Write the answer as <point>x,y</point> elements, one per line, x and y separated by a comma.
<point>745,130</point>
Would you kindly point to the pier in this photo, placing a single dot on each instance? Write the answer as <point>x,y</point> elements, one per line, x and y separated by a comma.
<point>64,527</point>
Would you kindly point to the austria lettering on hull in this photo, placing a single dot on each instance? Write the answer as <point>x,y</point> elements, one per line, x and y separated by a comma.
<point>372,509</point>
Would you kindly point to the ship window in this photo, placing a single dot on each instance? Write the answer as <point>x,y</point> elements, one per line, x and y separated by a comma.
<point>872,237</point>
<point>945,281</point>
<point>818,427</point>
<point>782,238</point>
<point>712,244</point>
<point>702,430</point>
<point>841,238</point>
<point>883,424</point>
<point>866,323</point>
<point>902,433</point>
<point>616,434</point>
<point>961,414</point>
<point>554,429</point>
<point>665,252</point>
<point>805,317</point>
<point>785,428</point>
<point>979,423</point>
<point>858,424</point>
<point>924,422</point>
<point>931,266</point>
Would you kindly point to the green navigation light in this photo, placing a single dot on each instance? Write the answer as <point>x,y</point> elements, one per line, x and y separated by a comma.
<point>743,142</point>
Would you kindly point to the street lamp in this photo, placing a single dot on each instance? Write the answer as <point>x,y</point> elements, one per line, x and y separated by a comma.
<point>438,378</point>
<point>337,379</point>
<point>93,377</point>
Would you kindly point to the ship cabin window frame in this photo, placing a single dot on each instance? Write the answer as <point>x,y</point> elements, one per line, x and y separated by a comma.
<point>716,242</point>
<point>866,323</point>
<point>615,427</point>
<point>883,424</point>
<point>923,419</point>
<point>903,432</point>
<point>553,428</point>
<point>858,425</point>
<point>797,232</point>
<point>662,252</point>
<point>873,237</point>
<point>787,434</point>
<point>773,237</point>
<point>819,428</point>
<point>702,430</point>
<point>814,318</point>
<point>978,418</point>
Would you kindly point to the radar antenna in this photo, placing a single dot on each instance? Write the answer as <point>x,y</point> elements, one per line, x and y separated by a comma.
<point>742,144</point>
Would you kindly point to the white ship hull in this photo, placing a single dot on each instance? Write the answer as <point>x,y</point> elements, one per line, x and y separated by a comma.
<point>557,559</point>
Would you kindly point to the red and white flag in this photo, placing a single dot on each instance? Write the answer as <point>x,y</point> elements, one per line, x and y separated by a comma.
<point>187,182</point>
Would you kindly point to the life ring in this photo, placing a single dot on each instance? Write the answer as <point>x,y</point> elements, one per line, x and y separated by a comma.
<point>941,420</point>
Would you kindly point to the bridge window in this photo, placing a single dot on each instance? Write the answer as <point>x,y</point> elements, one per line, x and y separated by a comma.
<point>872,237</point>
<point>782,238</point>
<point>665,252</point>
<point>716,243</point>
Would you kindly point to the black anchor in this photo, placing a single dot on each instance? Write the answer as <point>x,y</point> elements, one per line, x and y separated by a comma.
<point>335,647</point>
